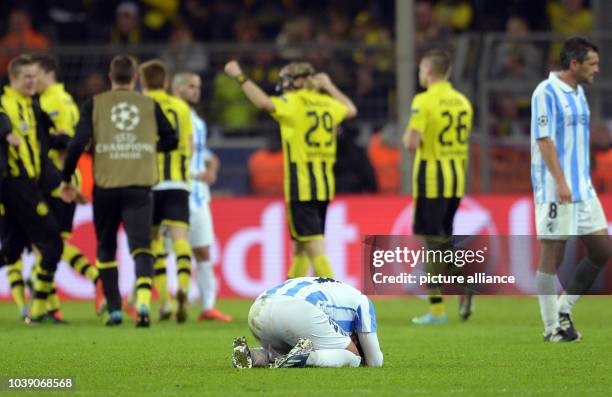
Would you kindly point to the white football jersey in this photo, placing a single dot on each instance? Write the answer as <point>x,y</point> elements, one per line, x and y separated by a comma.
<point>200,191</point>
<point>562,114</point>
<point>348,307</point>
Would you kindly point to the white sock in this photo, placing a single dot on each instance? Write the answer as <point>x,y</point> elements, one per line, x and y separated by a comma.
<point>207,284</point>
<point>567,302</point>
<point>547,297</point>
<point>333,358</point>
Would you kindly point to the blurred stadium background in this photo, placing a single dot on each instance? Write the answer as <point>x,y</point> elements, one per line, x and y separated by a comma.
<point>500,50</point>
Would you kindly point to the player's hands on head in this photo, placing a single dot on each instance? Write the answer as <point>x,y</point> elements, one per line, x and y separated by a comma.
<point>13,140</point>
<point>563,192</point>
<point>323,80</point>
<point>232,68</point>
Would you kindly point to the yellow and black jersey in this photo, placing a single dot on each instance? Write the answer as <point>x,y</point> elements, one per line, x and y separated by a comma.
<point>174,166</point>
<point>308,122</point>
<point>443,116</point>
<point>24,161</point>
<point>62,111</point>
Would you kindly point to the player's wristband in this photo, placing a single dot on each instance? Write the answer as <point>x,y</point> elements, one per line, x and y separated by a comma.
<point>241,78</point>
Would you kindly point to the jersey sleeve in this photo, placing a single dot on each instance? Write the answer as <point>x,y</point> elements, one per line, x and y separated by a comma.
<point>187,125</point>
<point>542,114</point>
<point>59,113</point>
<point>283,108</point>
<point>418,115</point>
<point>366,317</point>
<point>371,349</point>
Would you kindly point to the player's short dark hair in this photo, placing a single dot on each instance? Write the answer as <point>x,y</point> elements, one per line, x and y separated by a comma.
<point>123,69</point>
<point>153,74</point>
<point>576,48</point>
<point>47,62</point>
<point>439,61</point>
<point>15,65</point>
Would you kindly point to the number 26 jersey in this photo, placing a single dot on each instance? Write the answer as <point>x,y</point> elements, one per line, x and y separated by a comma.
<point>443,116</point>
<point>308,122</point>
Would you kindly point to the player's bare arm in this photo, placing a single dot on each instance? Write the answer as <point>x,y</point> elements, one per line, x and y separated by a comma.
<point>328,86</point>
<point>549,154</point>
<point>212,170</point>
<point>256,95</point>
<point>411,140</point>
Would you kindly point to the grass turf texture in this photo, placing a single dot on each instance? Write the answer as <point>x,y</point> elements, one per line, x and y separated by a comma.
<point>499,351</point>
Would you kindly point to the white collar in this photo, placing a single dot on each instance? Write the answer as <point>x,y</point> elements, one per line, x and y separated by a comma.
<point>554,78</point>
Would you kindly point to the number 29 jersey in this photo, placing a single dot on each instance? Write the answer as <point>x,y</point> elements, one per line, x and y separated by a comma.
<point>443,116</point>
<point>308,121</point>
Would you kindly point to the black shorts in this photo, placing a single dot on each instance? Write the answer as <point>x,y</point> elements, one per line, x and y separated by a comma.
<point>171,206</point>
<point>29,220</point>
<point>64,214</point>
<point>434,216</point>
<point>132,206</point>
<point>306,219</point>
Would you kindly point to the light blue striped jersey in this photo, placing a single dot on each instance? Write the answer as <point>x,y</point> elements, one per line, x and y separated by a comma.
<point>348,307</point>
<point>200,191</point>
<point>562,114</point>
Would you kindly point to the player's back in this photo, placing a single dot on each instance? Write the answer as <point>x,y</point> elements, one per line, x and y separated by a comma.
<point>60,107</point>
<point>178,114</point>
<point>448,122</point>
<point>174,166</point>
<point>347,306</point>
<point>443,116</point>
<point>308,120</point>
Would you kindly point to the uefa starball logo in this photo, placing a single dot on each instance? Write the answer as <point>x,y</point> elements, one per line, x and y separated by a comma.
<point>125,116</point>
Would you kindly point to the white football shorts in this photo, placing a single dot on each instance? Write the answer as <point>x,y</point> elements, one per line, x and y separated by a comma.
<point>556,221</point>
<point>278,322</point>
<point>200,225</point>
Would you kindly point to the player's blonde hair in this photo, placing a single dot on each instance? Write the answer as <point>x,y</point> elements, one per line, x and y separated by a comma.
<point>296,70</point>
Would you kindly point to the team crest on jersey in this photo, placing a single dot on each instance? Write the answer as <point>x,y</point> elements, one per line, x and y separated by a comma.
<point>42,209</point>
<point>543,121</point>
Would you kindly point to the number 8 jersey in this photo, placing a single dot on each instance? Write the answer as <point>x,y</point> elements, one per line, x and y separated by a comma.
<point>443,116</point>
<point>308,121</point>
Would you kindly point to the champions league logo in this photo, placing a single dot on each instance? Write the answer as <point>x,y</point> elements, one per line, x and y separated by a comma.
<point>543,121</point>
<point>125,116</point>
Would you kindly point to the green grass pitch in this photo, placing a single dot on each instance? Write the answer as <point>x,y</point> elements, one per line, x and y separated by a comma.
<point>498,352</point>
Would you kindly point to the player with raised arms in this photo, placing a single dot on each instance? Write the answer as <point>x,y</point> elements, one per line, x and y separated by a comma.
<point>308,119</point>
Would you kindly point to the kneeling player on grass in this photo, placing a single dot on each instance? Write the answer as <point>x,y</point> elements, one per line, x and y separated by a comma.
<point>309,321</point>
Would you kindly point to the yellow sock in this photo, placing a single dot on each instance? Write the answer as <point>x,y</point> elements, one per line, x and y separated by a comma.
<point>160,279</point>
<point>436,304</point>
<point>182,250</point>
<point>299,266</point>
<point>322,267</point>
<point>53,301</point>
<point>15,280</point>
<point>43,284</point>
<point>143,292</point>
<point>74,257</point>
